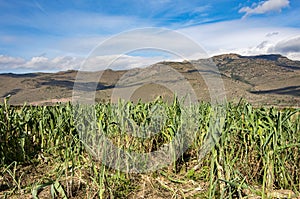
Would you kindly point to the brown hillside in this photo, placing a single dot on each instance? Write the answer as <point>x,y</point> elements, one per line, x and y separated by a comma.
<point>262,79</point>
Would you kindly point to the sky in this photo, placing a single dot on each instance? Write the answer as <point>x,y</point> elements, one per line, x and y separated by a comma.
<point>58,35</point>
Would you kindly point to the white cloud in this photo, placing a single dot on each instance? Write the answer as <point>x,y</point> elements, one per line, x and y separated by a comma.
<point>245,37</point>
<point>8,61</point>
<point>257,42</point>
<point>287,46</point>
<point>39,63</point>
<point>93,63</point>
<point>265,6</point>
<point>58,63</point>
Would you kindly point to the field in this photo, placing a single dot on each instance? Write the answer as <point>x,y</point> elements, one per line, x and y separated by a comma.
<point>43,151</point>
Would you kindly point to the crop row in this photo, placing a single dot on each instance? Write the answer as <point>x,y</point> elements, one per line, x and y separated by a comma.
<point>103,150</point>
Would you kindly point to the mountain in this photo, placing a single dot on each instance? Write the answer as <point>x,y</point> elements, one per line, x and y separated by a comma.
<point>273,78</point>
<point>263,80</point>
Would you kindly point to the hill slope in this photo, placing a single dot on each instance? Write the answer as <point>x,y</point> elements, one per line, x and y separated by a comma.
<point>262,79</point>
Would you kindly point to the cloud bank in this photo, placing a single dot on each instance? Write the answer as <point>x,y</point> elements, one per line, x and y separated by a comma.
<point>39,63</point>
<point>246,37</point>
<point>264,7</point>
<point>287,46</point>
<point>62,63</point>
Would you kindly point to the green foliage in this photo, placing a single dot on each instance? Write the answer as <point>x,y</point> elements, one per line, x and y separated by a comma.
<point>258,147</point>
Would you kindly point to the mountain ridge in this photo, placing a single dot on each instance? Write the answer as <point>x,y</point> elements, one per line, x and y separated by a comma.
<point>261,79</point>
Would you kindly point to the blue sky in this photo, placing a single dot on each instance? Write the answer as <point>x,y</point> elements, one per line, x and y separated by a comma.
<point>43,35</point>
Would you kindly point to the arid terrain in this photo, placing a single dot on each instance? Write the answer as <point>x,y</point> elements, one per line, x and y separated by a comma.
<point>261,80</point>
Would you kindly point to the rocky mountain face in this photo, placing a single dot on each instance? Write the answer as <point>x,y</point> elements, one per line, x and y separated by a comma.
<point>256,70</point>
<point>262,80</point>
<point>274,78</point>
